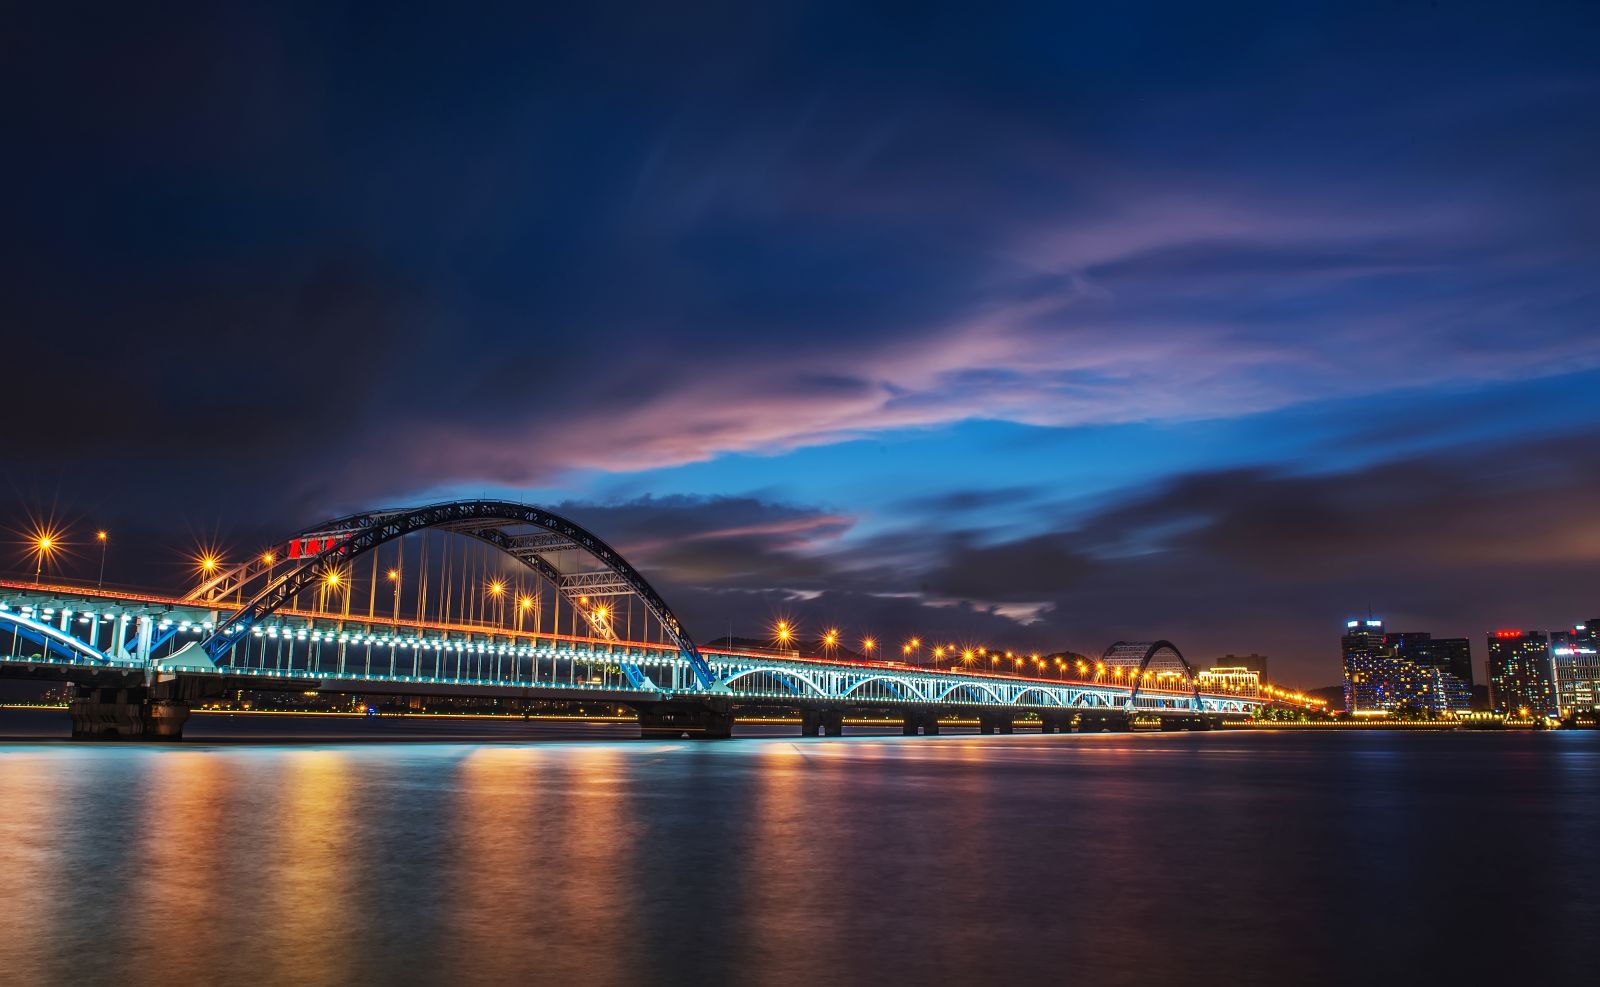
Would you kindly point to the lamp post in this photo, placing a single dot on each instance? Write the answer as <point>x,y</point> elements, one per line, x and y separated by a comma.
<point>43,545</point>
<point>103,537</point>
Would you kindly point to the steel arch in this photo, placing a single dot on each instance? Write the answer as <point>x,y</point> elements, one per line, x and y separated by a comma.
<point>1144,663</point>
<point>53,635</point>
<point>976,687</point>
<point>902,686</point>
<point>356,534</point>
<point>1049,694</point>
<point>786,673</point>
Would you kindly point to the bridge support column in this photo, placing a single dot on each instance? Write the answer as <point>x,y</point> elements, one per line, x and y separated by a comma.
<point>101,713</point>
<point>811,722</point>
<point>833,723</point>
<point>925,720</point>
<point>995,721</point>
<point>705,721</point>
<point>1114,722</point>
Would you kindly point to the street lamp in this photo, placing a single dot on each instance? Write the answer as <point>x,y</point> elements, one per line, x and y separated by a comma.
<point>44,544</point>
<point>103,537</point>
<point>867,646</point>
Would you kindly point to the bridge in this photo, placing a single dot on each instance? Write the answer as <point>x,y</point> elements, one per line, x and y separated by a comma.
<point>492,599</point>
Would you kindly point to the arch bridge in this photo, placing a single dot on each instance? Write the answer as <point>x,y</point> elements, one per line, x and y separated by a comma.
<point>504,601</point>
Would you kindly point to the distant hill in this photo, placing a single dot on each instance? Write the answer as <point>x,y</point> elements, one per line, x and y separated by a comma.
<point>1333,695</point>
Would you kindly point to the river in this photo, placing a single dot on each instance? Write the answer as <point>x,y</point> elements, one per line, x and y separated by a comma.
<point>494,854</point>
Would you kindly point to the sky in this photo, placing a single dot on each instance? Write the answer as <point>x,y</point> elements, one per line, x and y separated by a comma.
<point>1036,325</point>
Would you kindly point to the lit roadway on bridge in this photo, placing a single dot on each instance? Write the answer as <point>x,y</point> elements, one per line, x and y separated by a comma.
<point>460,623</point>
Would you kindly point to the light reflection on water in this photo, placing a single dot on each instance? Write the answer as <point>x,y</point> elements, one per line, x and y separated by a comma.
<point>1114,859</point>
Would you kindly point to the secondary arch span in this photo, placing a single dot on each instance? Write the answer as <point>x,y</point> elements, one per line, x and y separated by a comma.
<point>781,673</point>
<point>47,637</point>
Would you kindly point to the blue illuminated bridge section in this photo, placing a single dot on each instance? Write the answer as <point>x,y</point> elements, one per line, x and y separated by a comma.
<point>101,631</point>
<point>504,601</point>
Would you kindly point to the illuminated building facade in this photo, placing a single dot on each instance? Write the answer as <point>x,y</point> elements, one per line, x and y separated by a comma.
<point>1521,676</point>
<point>1388,672</point>
<point>1237,680</point>
<point>1576,659</point>
<point>1450,654</point>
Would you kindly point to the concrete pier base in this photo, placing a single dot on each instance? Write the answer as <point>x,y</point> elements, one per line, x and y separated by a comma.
<point>925,721</point>
<point>100,713</point>
<point>679,720</point>
<point>822,723</point>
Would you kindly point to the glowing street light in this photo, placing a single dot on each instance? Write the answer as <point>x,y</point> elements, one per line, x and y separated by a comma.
<point>867,646</point>
<point>830,639</point>
<point>783,632</point>
<point>44,545</point>
<point>104,538</point>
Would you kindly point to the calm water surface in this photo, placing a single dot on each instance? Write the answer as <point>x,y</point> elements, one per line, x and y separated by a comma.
<point>1111,859</point>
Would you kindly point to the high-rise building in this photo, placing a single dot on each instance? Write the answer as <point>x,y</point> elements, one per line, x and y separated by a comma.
<point>1576,660</point>
<point>1521,676</point>
<point>1362,647</point>
<point>1453,654</point>
<point>1404,670</point>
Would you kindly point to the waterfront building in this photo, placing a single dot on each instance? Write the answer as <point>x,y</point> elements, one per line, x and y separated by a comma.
<point>1521,674</point>
<point>1575,658</point>
<point>1237,680</point>
<point>1386,672</point>
<point>1451,654</point>
<point>1362,648</point>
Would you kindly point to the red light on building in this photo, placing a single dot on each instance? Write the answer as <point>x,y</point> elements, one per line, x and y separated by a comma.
<point>1507,634</point>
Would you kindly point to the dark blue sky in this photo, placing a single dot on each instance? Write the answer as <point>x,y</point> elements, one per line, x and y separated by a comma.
<point>1037,325</point>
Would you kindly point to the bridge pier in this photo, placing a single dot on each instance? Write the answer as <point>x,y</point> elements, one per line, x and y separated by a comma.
<point>111,713</point>
<point>925,720</point>
<point>1102,722</point>
<point>1055,723</point>
<point>700,721</point>
<point>822,722</point>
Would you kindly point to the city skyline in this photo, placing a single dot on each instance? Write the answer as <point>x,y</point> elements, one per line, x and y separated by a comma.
<point>1049,333</point>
